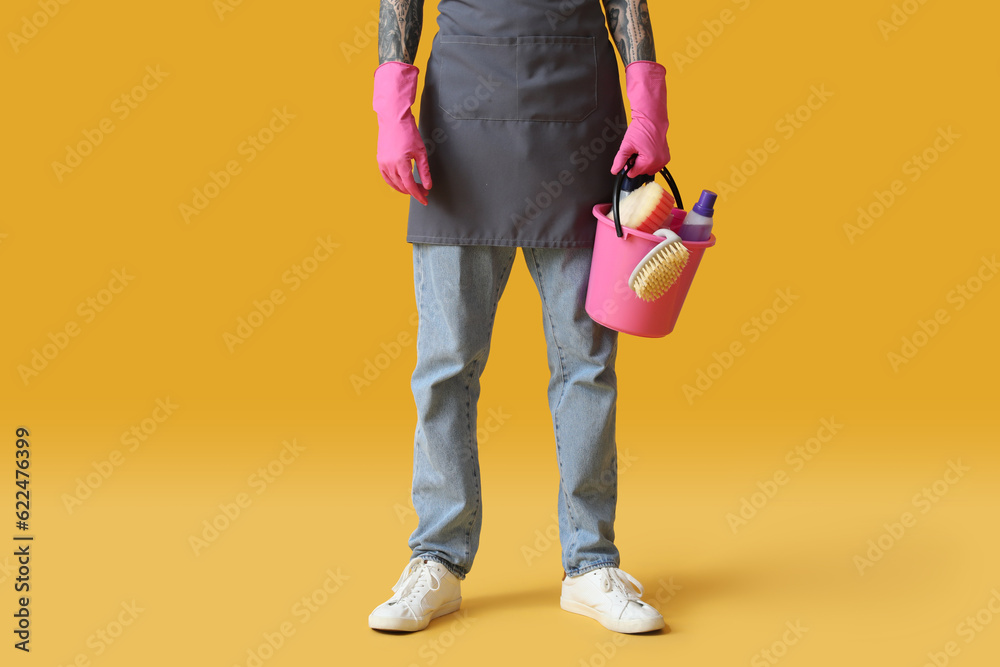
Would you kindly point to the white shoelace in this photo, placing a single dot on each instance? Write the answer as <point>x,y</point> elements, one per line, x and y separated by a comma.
<point>410,580</point>
<point>619,580</point>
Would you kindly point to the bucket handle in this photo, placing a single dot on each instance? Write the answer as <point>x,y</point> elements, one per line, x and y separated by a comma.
<point>620,177</point>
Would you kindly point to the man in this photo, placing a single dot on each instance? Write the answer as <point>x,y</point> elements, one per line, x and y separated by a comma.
<point>521,121</point>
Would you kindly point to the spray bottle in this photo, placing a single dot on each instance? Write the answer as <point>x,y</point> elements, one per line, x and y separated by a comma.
<point>697,224</point>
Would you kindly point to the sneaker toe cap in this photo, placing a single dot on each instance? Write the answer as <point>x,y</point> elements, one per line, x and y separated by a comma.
<point>392,610</point>
<point>639,610</point>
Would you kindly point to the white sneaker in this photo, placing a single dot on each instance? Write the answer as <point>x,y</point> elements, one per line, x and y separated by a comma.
<point>611,597</point>
<point>424,591</point>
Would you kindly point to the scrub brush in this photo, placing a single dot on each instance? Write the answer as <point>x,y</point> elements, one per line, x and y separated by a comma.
<point>660,268</point>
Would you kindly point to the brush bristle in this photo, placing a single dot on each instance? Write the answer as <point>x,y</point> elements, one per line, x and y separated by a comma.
<point>660,272</point>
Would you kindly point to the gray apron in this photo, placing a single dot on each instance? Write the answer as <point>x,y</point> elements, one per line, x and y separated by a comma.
<point>522,116</point>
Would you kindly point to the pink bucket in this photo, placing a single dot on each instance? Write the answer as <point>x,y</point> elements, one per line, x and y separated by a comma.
<point>610,301</point>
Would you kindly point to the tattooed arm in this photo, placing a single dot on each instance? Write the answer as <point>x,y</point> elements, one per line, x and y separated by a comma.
<point>399,25</point>
<point>630,29</point>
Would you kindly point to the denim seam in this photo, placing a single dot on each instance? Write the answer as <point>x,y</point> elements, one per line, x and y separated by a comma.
<point>496,300</point>
<point>562,391</point>
<point>420,283</point>
<point>454,569</point>
<point>468,409</point>
<point>472,454</point>
<point>587,568</point>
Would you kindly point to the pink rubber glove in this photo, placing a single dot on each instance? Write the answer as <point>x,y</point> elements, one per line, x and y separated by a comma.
<point>399,140</point>
<point>646,87</point>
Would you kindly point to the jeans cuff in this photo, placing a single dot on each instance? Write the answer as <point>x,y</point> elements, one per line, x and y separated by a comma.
<point>584,569</point>
<point>454,569</point>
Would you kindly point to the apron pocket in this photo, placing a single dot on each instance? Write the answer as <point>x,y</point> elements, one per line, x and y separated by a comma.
<point>477,77</point>
<point>556,78</point>
<point>531,78</point>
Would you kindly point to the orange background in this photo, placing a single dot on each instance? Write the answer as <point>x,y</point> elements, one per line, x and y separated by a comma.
<point>740,85</point>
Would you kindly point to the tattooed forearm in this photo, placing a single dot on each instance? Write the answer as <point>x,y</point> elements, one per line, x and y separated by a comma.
<point>631,29</point>
<point>399,26</point>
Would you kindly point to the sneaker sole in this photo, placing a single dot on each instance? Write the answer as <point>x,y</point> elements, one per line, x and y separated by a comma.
<point>412,624</point>
<point>631,626</point>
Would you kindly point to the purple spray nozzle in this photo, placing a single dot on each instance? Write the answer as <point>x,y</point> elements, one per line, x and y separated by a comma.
<point>706,204</point>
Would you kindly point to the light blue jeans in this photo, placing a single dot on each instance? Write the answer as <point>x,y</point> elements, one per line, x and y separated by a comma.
<point>457,290</point>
